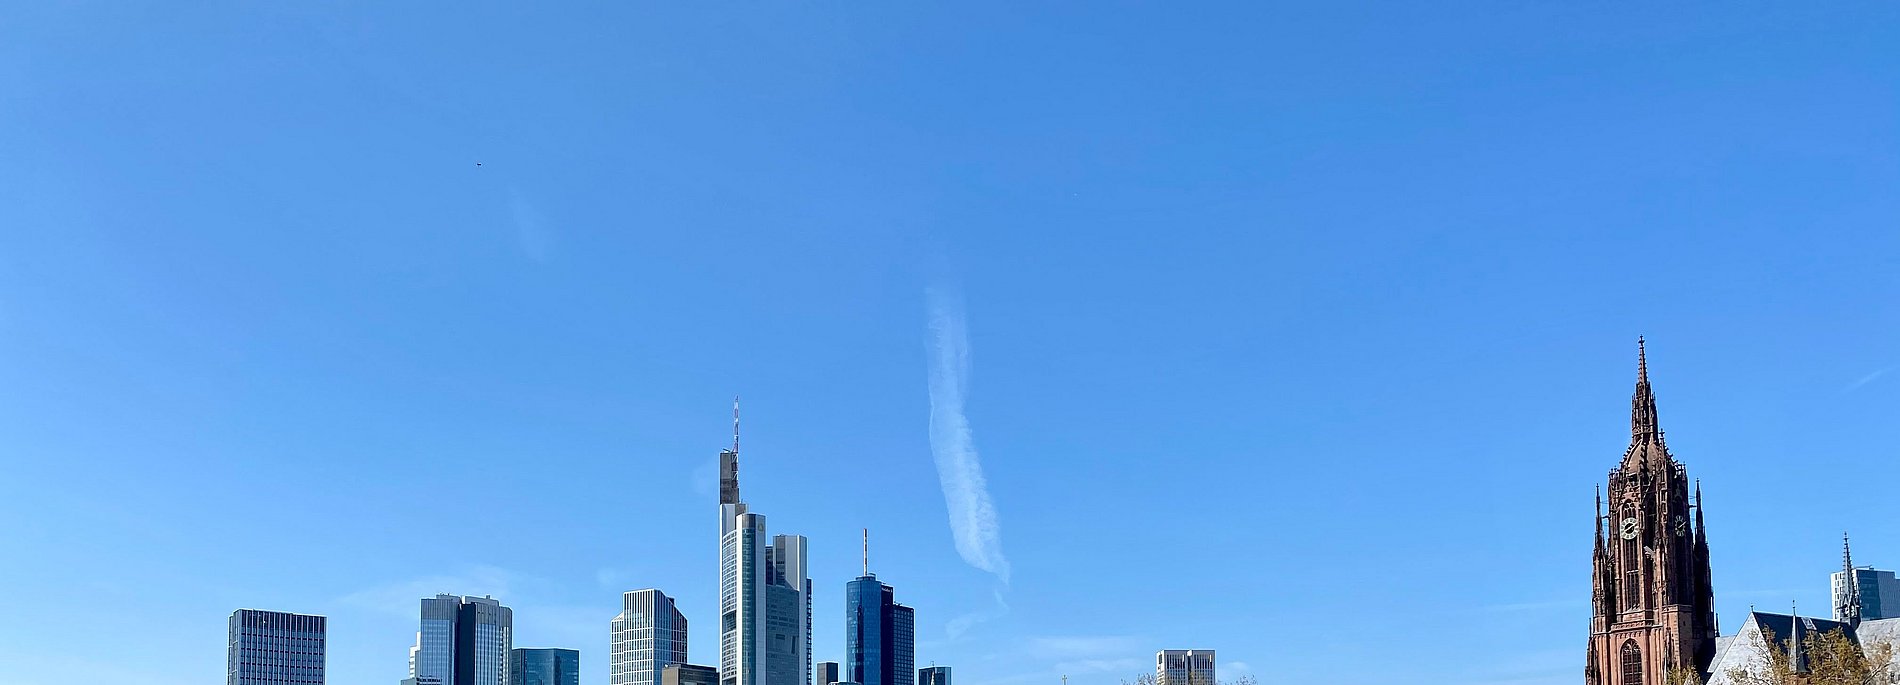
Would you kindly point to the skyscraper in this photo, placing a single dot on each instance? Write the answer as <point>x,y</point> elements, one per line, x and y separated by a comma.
<point>827,673</point>
<point>1185,667</point>
<point>934,675</point>
<point>274,648</point>
<point>649,634</point>
<point>544,667</point>
<point>879,634</point>
<point>462,641</point>
<point>764,594</point>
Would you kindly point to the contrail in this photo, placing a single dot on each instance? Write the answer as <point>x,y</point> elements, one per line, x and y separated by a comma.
<point>972,516</point>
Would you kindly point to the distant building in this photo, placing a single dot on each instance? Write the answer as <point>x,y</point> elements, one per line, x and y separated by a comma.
<point>647,636</point>
<point>274,648</point>
<point>1871,595</point>
<point>689,674</point>
<point>462,641</point>
<point>1185,667</point>
<point>544,667</point>
<point>827,673</point>
<point>880,637</point>
<point>934,675</point>
<point>764,594</point>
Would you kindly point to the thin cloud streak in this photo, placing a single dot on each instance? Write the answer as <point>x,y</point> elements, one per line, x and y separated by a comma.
<point>1869,378</point>
<point>973,521</point>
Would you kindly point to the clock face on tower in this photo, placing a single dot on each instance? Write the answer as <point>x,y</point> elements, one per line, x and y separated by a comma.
<point>1682,526</point>
<point>1629,529</point>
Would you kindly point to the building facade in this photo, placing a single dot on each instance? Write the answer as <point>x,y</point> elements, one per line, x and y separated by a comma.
<point>648,635</point>
<point>274,648</point>
<point>827,673</point>
<point>1185,667</point>
<point>764,593</point>
<point>933,675</point>
<point>544,667</point>
<point>689,674</point>
<point>462,641</point>
<point>1652,601</point>
<point>880,635</point>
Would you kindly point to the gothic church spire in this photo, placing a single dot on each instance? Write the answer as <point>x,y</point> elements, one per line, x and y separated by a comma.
<point>1643,425</point>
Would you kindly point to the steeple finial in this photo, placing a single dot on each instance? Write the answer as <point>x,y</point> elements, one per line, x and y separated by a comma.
<point>1643,403</point>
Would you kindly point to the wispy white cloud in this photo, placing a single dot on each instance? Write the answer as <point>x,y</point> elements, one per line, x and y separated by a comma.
<point>973,520</point>
<point>1235,668</point>
<point>962,624</point>
<point>1869,378</point>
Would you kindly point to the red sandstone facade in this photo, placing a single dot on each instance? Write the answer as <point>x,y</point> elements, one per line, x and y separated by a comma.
<point>1652,606</point>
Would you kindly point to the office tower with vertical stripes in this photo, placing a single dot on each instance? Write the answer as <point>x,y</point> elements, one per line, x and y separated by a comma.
<point>274,648</point>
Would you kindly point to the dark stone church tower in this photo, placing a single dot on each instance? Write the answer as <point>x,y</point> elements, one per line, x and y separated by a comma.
<point>1652,607</point>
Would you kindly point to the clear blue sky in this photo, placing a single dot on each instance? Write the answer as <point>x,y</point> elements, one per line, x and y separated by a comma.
<point>1298,332</point>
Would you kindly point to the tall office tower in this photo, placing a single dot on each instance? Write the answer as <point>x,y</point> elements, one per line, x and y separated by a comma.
<point>649,634</point>
<point>1185,667</point>
<point>544,667</point>
<point>827,673</point>
<point>879,634</point>
<point>1872,595</point>
<point>764,594</point>
<point>274,648</point>
<point>935,675</point>
<point>462,641</point>
<point>689,674</point>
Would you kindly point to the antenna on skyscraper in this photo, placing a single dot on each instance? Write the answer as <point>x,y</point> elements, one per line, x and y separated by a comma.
<point>867,551</point>
<point>735,424</point>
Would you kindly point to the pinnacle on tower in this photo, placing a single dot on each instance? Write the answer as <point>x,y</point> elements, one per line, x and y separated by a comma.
<point>1643,422</point>
<point>1847,602</point>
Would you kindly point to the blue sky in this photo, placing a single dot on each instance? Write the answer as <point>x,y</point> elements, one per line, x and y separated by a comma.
<point>1298,332</point>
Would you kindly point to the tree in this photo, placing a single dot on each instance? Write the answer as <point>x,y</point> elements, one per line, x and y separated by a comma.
<point>1830,657</point>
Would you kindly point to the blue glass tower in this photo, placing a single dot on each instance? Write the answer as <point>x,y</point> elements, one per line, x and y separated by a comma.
<point>544,667</point>
<point>880,636</point>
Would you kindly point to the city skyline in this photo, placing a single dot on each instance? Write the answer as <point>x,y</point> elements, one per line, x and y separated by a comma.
<point>329,308</point>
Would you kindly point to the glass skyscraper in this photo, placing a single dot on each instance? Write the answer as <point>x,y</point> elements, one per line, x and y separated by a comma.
<point>880,635</point>
<point>274,648</point>
<point>544,667</point>
<point>462,641</point>
<point>827,673</point>
<point>764,594</point>
<point>934,675</point>
<point>648,635</point>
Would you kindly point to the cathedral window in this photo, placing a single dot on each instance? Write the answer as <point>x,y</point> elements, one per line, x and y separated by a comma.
<point>1632,663</point>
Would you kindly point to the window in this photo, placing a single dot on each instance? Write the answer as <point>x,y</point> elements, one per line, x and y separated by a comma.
<point>1632,663</point>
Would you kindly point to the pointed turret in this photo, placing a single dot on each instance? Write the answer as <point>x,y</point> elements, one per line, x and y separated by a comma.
<point>1643,425</point>
<point>1847,598</point>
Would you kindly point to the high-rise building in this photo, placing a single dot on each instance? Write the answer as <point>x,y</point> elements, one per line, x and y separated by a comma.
<point>274,648</point>
<point>827,673</point>
<point>544,667</point>
<point>1652,602</point>
<point>1871,595</point>
<point>649,634</point>
<point>764,594</point>
<point>1185,667</point>
<point>934,675</point>
<point>689,674</point>
<point>462,641</point>
<point>880,634</point>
